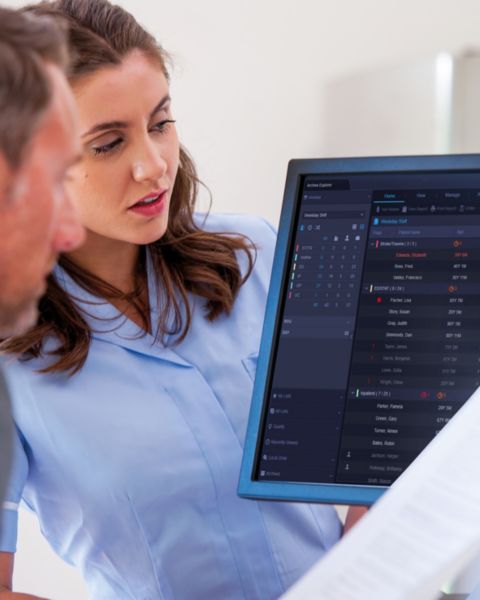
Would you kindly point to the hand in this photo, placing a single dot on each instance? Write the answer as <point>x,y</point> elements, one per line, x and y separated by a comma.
<point>354,514</point>
<point>6,574</point>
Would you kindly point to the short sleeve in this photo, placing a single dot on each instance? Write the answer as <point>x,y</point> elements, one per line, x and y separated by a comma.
<point>18,476</point>
<point>9,514</point>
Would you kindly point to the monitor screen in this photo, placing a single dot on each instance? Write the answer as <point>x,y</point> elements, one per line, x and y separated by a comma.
<point>376,342</point>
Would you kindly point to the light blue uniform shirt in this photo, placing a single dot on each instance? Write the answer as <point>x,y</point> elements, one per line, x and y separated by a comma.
<point>132,464</point>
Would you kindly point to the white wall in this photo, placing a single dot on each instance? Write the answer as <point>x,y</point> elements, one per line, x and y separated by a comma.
<point>247,90</point>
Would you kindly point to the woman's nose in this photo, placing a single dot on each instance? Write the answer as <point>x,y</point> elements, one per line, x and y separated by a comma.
<point>151,166</point>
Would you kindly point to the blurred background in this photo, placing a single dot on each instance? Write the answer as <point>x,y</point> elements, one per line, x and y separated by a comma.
<point>256,83</point>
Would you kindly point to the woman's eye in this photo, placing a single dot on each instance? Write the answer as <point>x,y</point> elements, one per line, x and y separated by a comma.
<point>162,126</point>
<point>104,148</point>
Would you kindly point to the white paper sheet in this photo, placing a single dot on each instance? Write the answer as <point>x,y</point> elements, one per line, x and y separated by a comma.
<point>419,535</point>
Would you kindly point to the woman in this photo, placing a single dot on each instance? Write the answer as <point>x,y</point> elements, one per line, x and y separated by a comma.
<point>133,390</point>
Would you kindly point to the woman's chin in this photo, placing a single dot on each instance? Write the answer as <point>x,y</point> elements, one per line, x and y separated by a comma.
<point>146,238</point>
<point>151,231</point>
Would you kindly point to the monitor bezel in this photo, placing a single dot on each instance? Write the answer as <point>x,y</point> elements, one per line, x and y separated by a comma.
<point>248,487</point>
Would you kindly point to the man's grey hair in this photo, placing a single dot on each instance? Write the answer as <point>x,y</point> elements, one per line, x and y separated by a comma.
<point>27,43</point>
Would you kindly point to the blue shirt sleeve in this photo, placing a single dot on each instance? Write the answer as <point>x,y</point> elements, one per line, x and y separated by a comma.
<point>18,477</point>
<point>475,595</point>
<point>9,513</point>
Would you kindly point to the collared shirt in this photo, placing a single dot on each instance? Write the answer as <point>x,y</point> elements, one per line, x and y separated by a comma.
<point>132,464</point>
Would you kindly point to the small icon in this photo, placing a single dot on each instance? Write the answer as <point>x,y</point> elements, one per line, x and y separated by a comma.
<point>262,473</point>
<point>376,221</point>
<point>354,227</point>
<point>272,411</point>
<point>433,208</point>
<point>404,209</point>
<point>357,238</point>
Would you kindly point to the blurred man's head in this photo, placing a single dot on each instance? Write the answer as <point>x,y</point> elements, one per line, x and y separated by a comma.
<point>38,143</point>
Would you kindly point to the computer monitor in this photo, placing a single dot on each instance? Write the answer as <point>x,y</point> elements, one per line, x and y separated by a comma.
<point>371,341</point>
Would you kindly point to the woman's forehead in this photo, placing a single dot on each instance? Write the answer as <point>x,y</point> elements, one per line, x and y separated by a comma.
<point>136,85</point>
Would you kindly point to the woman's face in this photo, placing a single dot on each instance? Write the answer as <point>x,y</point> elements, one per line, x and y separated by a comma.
<point>123,185</point>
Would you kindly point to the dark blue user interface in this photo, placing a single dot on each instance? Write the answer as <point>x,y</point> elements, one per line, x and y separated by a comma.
<point>378,340</point>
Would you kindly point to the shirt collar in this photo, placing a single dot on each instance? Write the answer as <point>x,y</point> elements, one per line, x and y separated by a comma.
<point>109,325</point>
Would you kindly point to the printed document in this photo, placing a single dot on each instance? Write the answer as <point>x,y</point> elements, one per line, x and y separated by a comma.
<point>419,535</point>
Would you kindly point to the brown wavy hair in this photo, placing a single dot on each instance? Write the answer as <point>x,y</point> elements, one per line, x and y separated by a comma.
<point>186,259</point>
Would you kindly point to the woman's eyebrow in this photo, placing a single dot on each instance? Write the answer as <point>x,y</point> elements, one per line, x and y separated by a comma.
<point>123,124</point>
<point>163,102</point>
<point>105,126</point>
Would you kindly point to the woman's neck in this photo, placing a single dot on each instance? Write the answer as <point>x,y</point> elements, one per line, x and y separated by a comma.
<point>113,261</point>
<point>116,263</point>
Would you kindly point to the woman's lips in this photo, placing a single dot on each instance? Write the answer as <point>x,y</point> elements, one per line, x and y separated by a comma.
<point>150,209</point>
